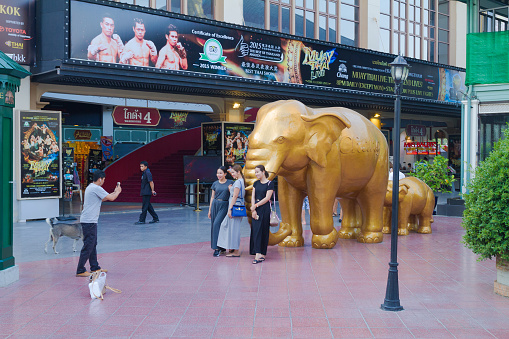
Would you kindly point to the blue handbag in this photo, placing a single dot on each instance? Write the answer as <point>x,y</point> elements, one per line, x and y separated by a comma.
<point>239,211</point>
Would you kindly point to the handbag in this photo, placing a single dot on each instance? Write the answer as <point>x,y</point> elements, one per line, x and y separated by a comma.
<point>97,285</point>
<point>274,218</point>
<point>239,211</point>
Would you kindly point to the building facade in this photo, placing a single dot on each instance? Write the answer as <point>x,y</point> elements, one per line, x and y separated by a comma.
<point>71,76</point>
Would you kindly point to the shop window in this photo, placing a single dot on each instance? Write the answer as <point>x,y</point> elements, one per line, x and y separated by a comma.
<point>491,132</point>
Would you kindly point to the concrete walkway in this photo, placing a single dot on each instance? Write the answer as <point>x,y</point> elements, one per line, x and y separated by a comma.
<point>173,286</point>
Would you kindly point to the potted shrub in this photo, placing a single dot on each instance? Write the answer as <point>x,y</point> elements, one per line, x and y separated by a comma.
<point>486,215</point>
<point>437,175</point>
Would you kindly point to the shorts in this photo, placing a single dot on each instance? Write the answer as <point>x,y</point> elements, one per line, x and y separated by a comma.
<point>305,205</point>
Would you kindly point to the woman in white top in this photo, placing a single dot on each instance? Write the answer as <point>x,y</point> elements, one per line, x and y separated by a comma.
<point>229,234</point>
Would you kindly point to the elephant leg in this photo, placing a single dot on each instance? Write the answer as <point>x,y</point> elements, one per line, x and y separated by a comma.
<point>412,223</point>
<point>371,204</point>
<point>403,217</point>
<point>291,207</point>
<point>387,220</point>
<point>426,216</point>
<point>352,219</point>
<point>322,224</point>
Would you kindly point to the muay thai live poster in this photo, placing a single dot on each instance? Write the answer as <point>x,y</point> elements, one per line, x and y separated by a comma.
<point>211,138</point>
<point>236,142</point>
<point>110,34</point>
<point>40,156</point>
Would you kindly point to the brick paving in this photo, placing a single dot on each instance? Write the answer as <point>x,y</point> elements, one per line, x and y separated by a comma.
<point>183,291</point>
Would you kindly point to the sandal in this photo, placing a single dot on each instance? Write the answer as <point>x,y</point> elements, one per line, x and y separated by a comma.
<point>261,259</point>
<point>334,214</point>
<point>257,261</point>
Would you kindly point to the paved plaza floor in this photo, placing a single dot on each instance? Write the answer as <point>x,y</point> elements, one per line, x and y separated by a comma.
<point>172,286</point>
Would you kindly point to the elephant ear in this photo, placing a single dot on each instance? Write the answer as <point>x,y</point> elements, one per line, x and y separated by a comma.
<point>324,129</point>
<point>403,191</point>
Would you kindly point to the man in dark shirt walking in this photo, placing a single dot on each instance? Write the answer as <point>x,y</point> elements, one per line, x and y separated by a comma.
<point>147,191</point>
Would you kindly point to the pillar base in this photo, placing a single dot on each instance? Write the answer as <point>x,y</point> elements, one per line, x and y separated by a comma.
<point>9,275</point>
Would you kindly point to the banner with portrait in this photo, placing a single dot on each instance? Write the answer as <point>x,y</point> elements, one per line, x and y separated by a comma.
<point>40,159</point>
<point>141,39</point>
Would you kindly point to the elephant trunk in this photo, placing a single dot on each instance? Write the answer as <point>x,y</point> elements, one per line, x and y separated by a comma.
<point>254,159</point>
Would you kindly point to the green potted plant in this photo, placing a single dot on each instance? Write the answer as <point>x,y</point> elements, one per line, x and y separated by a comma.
<point>486,215</point>
<point>437,174</point>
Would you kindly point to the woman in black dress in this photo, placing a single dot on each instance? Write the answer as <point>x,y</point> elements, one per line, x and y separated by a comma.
<point>218,207</point>
<point>260,225</point>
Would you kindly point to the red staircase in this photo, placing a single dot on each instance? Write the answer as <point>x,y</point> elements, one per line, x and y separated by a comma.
<point>165,157</point>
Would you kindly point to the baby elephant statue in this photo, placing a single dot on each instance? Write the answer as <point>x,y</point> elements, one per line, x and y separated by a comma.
<point>322,153</point>
<point>416,201</point>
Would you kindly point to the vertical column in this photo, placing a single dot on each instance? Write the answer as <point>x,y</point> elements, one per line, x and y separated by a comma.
<point>107,120</point>
<point>369,28</point>
<point>8,271</point>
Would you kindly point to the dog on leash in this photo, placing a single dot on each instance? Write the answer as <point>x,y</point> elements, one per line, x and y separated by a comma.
<point>57,230</point>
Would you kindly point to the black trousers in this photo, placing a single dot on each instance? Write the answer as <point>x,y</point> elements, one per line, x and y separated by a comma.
<point>88,252</point>
<point>147,206</point>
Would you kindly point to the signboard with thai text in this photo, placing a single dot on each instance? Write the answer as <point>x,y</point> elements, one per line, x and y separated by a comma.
<point>416,130</point>
<point>136,116</point>
<point>40,158</point>
<point>158,40</point>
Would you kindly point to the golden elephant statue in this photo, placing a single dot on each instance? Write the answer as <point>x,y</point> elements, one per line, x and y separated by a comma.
<point>415,210</point>
<point>322,153</point>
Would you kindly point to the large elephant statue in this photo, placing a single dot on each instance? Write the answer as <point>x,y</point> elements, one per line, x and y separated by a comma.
<point>415,209</point>
<point>322,153</point>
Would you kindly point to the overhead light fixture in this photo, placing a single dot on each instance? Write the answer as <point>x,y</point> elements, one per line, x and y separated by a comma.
<point>377,115</point>
<point>236,105</point>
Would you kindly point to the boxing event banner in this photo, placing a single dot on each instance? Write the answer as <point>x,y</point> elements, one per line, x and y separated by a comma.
<point>17,30</point>
<point>236,142</point>
<point>211,138</point>
<point>152,40</point>
<point>40,159</point>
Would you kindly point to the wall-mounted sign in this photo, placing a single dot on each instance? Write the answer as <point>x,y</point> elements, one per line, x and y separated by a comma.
<point>107,147</point>
<point>40,158</point>
<point>82,134</point>
<point>423,148</point>
<point>416,130</point>
<point>136,116</point>
<point>17,30</point>
<point>236,52</point>
<point>211,142</point>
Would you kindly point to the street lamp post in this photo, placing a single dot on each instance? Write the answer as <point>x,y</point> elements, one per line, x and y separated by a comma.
<point>399,72</point>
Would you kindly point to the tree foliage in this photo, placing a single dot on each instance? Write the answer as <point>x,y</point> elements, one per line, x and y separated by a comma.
<point>486,216</point>
<point>437,174</point>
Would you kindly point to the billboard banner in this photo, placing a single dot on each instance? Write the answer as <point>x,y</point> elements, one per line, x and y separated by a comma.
<point>40,159</point>
<point>136,38</point>
<point>17,30</point>
<point>236,142</point>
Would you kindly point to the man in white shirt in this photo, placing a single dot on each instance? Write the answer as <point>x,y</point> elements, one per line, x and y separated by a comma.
<point>94,196</point>
<point>401,175</point>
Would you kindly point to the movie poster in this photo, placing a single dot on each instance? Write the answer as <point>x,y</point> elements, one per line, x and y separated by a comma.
<point>179,44</point>
<point>40,157</point>
<point>236,142</point>
<point>211,139</point>
<point>68,167</point>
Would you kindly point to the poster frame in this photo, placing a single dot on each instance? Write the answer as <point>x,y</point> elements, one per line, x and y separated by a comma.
<point>17,152</point>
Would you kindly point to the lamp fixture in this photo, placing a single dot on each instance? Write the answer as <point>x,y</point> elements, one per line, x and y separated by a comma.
<point>236,105</point>
<point>399,69</point>
<point>376,115</point>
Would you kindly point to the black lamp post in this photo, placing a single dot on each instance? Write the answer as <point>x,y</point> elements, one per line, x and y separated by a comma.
<point>399,72</point>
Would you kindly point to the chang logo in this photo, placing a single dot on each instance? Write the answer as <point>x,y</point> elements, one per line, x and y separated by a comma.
<point>212,52</point>
<point>341,72</point>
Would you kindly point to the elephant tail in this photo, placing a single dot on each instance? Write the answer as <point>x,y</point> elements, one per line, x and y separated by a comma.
<point>280,235</point>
